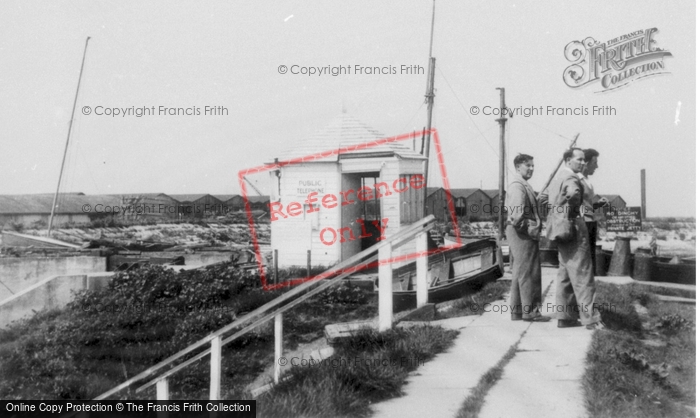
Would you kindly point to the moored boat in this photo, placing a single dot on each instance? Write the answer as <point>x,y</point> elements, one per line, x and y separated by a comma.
<point>451,274</point>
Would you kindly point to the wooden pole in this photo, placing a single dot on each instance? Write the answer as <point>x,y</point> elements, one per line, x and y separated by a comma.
<point>554,173</point>
<point>502,167</point>
<point>422,269</point>
<point>429,96</point>
<point>65,151</point>
<point>386,299</point>
<point>279,347</point>
<point>308,263</point>
<point>215,369</point>
<point>644,194</point>
<point>162,390</point>
<point>275,266</point>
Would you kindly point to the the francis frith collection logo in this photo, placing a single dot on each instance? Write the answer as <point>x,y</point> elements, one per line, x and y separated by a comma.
<point>615,63</point>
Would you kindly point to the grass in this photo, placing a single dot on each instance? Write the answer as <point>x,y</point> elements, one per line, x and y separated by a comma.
<point>74,353</point>
<point>472,405</point>
<point>366,368</point>
<point>643,365</point>
<point>474,304</point>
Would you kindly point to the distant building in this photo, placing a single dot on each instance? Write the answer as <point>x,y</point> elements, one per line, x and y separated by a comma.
<point>149,205</point>
<point>235,203</point>
<point>34,210</point>
<point>495,197</point>
<point>469,204</point>
<point>614,200</point>
<point>198,205</point>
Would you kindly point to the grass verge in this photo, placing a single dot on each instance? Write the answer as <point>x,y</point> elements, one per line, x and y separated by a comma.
<point>474,304</point>
<point>104,337</point>
<point>472,405</point>
<point>366,368</point>
<point>643,365</point>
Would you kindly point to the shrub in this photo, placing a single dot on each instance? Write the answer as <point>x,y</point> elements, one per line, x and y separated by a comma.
<point>142,317</point>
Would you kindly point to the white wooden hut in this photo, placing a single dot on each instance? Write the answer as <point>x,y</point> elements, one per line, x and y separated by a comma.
<point>331,202</point>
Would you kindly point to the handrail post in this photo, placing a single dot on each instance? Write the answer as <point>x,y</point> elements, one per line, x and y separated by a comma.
<point>386,302</point>
<point>162,390</point>
<point>422,269</point>
<point>215,375</point>
<point>279,346</point>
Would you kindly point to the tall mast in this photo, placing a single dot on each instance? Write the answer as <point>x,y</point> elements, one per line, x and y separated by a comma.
<point>65,151</point>
<point>429,96</point>
<point>502,167</point>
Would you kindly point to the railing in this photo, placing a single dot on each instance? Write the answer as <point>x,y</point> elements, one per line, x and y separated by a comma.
<point>275,309</point>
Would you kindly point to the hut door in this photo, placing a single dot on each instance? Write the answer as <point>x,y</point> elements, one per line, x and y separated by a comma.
<point>349,214</point>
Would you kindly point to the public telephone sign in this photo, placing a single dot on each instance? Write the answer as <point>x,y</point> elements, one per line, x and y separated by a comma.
<point>623,219</point>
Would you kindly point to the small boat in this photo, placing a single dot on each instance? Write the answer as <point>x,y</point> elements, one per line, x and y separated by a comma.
<point>452,274</point>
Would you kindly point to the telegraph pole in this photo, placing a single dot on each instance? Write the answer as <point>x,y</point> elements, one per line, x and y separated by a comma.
<point>502,167</point>
<point>644,194</point>
<point>429,97</point>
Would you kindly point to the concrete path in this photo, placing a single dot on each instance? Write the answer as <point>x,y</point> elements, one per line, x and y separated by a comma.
<point>542,380</point>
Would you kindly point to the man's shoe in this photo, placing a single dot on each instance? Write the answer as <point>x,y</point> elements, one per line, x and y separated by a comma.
<point>595,325</point>
<point>568,323</point>
<point>516,317</point>
<point>540,318</point>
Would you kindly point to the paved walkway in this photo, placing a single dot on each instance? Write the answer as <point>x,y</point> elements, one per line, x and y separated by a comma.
<point>542,380</point>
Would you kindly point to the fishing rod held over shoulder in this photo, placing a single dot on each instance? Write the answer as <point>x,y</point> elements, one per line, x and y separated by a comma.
<point>554,173</point>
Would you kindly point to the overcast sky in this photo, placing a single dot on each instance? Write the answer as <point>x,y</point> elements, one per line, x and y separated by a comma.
<point>190,54</point>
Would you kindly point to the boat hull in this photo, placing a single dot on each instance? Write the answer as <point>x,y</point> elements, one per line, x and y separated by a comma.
<point>452,274</point>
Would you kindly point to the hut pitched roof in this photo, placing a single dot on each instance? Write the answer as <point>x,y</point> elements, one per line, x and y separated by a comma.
<point>342,132</point>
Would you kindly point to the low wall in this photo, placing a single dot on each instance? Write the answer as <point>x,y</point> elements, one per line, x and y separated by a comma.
<point>196,259</point>
<point>54,292</point>
<point>18,273</point>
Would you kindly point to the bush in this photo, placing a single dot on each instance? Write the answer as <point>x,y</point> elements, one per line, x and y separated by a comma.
<point>142,317</point>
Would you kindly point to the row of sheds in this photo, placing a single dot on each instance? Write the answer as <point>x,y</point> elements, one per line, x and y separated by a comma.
<point>81,208</point>
<point>482,205</point>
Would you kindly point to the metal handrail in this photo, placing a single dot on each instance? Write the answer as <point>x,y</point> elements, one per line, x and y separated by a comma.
<point>340,271</point>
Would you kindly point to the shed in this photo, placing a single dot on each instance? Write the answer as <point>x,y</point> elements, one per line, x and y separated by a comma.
<point>34,210</point>
<point>614,200</point>
<point>494,195</point>
<point>157,205</point>
<point>334,199</point>
<point>198,205</point>
<point>470,204</point>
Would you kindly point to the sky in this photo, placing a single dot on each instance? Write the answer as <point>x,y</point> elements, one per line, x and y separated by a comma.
<point>189,55</point>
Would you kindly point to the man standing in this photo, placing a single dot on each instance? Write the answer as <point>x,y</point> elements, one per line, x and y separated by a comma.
<point>523,234</point>
<point>591,202</point>
<point>575,281</point>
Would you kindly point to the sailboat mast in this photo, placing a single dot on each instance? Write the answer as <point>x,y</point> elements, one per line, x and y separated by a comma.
<point>429,96</point>
<point>502,167</point>
<point>65,151</point>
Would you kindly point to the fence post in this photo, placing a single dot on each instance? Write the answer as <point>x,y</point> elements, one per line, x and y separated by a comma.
<point>162,390</point>
<point>308,263</point>
<point>215,375</point>
<point>422,269</point>
<point>386,301</point>
<point>279,347</point>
